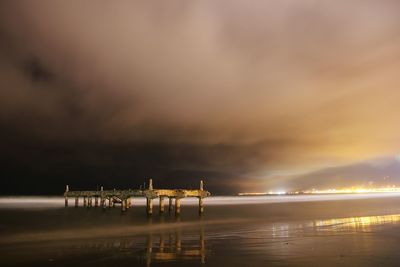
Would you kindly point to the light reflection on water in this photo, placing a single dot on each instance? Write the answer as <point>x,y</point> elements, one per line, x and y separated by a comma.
<point>332,226</point>
<point>356,223</point>
<point>350,241</point>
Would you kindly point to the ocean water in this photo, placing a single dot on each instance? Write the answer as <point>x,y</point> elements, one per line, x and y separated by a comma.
<point>317,230</point>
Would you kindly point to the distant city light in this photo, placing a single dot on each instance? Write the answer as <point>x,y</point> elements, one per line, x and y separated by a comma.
<point>354,190</point>
<point>346,190</point>
<point>264,193</point>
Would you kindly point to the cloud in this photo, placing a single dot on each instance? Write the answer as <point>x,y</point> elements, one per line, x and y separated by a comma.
<point>239,92</point>
<point>376,172</point>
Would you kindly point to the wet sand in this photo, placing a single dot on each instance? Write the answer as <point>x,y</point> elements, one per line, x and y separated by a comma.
<point>358,230</point>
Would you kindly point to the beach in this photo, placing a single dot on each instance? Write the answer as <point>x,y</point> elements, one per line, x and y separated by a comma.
<point>322,230</point>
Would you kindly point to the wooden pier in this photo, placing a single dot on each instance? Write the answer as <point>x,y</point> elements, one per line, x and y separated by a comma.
<point>110,198</point>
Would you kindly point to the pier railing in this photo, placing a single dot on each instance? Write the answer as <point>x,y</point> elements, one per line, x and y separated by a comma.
<point>110,198</point>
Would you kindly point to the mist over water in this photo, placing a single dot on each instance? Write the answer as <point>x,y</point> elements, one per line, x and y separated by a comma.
<point>30,202</point>
<point>236,231</point>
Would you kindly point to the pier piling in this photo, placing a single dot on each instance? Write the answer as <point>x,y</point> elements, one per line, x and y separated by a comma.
<point>123,205</point>
<point>149,206</point>
<point>201,205</point>
<point>169,204</point>
<point>66,195</point>
<point>177,206</point>
<point>161,204</point>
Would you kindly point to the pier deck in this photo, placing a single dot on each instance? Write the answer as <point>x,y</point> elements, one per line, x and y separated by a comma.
<point>124,197</point>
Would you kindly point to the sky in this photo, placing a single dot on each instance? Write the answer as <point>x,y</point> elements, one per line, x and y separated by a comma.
<point>246,95</point>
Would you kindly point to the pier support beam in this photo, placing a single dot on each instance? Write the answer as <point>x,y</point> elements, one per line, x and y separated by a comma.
<point>89,202</point>
<point>66,197</point>
<point>149,206</point>
<point>76,201</point>
<point>161,204</point>
<point>201,205</point>
<point>177,206</point>
<point>96,201</point>
<point>123,204</point>
<point>169,204</point>
<point>84,201</point>
<point>102,199</point>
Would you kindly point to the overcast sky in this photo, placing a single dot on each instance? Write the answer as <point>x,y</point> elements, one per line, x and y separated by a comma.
<point>248,95</point>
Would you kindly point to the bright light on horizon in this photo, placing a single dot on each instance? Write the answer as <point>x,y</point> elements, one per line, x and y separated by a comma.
<point>354,190</point>
<point>345,190</point>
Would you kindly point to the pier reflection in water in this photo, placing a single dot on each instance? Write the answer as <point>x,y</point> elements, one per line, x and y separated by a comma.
<point>157,246</point>
<point>161,247</point>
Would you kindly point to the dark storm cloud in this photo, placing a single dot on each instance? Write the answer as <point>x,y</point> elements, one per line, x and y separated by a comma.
<point>237,92</point>
<point>36,71</point>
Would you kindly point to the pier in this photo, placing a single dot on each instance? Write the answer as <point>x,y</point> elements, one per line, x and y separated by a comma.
<point>125,198</point>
